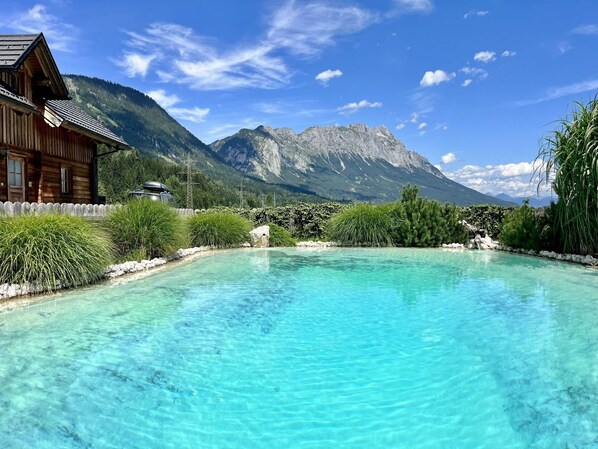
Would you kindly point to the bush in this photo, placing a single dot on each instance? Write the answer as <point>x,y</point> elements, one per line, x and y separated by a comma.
<point>279,236</point>
<point>423,222</point>
<point>51,251</point>
<point>144,229</point>
<point>362,225</point>
<point>221,229</point>
<point>520,229</point>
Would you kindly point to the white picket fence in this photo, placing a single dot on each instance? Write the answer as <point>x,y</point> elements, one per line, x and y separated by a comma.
<point>94,211</point>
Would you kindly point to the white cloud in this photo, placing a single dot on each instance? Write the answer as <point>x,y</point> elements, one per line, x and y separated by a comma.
<point>475,72</point>
<point>401,126</point>
<point>508,53</point>
<point>163,99</point>
<point>350,108</point>
<point>448,158</point>
<point>475,14</point>
<point>414,5</point>
<point>422,126</point>
<point>414,117</point>
<point>61,36</point>
<point>325,76</point>
<point>268,108</point>
<point>485,56</point>
<point>298,29</point>
<point>562,91</point>
<point>587,30</point>
<point>136,64</point>
<point>563,47</point>
<point>434,78</point>
<point>515,179</point>
<point>466,83</point>
<point>195,115</point>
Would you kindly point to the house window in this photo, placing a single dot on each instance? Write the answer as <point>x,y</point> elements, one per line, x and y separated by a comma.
<point>15,173</point>
<point>65,180</point>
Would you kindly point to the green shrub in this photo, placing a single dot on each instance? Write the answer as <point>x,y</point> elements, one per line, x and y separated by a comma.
<point>520,228</point>
<point>425,222</point>
<point>570,164</point>
<point>222,229</point>
<point>362,225</point>
<point>51,251</point>
<point>144,229</point>
<point>279,236</point>
<point>486,216</point>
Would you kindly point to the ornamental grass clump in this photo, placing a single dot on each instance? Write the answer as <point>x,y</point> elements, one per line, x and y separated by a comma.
<point>144,229</point>
<point>362,225</point>
<point>570,163</point>
<point>280,236</point>
<point>221,229</point>
<point>48,252</point>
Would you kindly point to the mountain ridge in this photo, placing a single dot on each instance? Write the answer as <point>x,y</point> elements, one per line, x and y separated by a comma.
<point>349,163</point>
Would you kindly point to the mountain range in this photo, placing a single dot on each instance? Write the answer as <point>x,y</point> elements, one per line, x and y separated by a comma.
<point>534,201</point>
<point>352,163</point>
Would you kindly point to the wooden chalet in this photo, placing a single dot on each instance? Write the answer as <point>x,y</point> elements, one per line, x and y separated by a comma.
<point>48,145</point>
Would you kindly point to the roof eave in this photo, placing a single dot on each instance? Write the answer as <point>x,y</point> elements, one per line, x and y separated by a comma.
<point>17,105</point>
<point>95,136</point>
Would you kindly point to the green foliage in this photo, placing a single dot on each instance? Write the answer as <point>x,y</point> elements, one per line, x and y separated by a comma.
<point>423,222</point>
<point>303,220</point>
<point>51,251</point>
<point>570,156</point>
<point>362,225</point>
<point>487,217</point>
<point>520,228</point>
<point>279,236</point>
<point>144,229</point>
<point>222,229</point>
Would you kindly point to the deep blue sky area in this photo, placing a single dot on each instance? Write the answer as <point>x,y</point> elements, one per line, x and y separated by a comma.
<point>471,85</point>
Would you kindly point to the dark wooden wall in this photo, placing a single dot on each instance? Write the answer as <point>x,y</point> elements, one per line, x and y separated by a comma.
<point>46,150</point>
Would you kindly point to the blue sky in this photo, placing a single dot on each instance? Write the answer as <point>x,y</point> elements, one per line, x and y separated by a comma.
<point>471,85</point>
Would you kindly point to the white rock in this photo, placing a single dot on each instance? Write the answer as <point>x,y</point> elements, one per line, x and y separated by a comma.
<point>260,237</point>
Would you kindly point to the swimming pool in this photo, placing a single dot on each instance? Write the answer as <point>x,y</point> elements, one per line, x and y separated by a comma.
<point>287,348</point>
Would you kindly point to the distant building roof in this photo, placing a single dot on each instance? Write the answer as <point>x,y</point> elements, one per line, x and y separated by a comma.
<point>14,48</point>
<point>18,100</point>
<point>76,117</point>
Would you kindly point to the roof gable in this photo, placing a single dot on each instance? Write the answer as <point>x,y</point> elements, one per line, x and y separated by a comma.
<point>16,48</point>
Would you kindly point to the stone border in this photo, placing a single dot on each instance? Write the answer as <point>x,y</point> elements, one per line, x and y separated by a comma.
<point>574,258</point>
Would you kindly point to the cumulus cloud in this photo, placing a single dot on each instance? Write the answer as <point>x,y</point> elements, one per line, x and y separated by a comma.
<point>485,56</point>
<point>195,115</point>
<point>448,158</point>
<point>61,36</point>
<point>475,72</point>
<point>466,83</point>
<point>475,14</point>
<point>325,76</point>
<point>434,78</point>
<point>422,126</point>
<point>515,179</point>
<point>508,54</point>
<point>350,108</point>
<point>587,30</point>
<point>300,30</point>
<point>136,64</point>
<point>163,99</point>
<point>401,126</point>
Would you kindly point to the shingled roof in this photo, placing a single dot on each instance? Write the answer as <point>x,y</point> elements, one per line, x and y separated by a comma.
<point>14,48</point>
<point>15,99</point>
<point>74,116</point>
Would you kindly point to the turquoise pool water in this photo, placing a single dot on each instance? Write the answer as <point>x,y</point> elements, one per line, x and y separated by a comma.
<point>346,348</point>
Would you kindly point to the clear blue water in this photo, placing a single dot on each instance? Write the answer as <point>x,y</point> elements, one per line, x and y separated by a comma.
<point>346,348</point>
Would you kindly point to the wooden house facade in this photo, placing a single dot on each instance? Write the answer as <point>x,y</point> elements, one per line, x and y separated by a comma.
<point>48,145</point>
